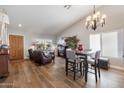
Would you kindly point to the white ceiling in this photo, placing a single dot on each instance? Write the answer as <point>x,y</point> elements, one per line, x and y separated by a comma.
<point>45,19</point>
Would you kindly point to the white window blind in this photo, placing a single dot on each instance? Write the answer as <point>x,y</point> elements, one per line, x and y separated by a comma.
<point>111,44</point>
<point>95,42</point>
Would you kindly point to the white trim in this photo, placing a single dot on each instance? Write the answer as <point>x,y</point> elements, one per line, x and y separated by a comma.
<point>116,67</point>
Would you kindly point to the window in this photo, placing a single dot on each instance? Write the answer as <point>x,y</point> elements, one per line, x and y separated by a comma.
<point>110,43</point>
<point>44,41</point>
<point>95,42</point>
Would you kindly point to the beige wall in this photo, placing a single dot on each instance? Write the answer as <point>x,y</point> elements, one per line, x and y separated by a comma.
<point>114,21</point>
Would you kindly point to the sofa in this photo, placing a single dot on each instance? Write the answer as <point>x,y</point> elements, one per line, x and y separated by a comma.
<point>39,57</point>
<point>30,51</point>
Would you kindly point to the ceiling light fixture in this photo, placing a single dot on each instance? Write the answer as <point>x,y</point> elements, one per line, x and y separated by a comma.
<point>95,20</point>
<point>19,25</point>
<point>67,6</point>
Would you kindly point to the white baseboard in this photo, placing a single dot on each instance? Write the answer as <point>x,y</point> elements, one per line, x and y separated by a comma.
<point>117,67</point>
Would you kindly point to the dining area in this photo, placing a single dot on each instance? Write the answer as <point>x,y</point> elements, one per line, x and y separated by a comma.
<point>82,62</point>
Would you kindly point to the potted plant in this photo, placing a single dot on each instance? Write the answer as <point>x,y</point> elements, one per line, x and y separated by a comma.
<point>72,42</point>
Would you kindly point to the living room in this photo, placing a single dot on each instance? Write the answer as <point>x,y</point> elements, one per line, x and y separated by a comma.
<point>52,27</point>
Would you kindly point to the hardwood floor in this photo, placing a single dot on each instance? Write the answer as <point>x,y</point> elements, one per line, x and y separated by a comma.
<point>27,74</point>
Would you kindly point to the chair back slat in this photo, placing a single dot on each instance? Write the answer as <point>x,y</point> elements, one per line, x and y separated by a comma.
<point>70,55</point>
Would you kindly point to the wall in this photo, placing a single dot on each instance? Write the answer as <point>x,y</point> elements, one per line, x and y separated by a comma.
<point>29,38</point>
<point>115,21</point>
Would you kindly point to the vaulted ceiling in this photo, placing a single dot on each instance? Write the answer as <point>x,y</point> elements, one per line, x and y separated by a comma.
<point>45,19</point>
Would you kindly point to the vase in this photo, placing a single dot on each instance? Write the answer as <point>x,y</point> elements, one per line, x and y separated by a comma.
<point>80,47</point>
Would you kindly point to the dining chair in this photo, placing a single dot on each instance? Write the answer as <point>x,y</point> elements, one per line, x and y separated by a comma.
<point>94,64</point>
<point>73,63</point>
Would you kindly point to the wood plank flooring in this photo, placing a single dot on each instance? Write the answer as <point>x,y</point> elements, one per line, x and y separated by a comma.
<point>26,74</point>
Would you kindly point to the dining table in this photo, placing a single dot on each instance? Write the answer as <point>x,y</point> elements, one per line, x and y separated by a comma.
<point>84,54</point>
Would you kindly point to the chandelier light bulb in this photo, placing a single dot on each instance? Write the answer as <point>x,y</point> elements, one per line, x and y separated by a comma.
<point>103,16</point>
<point>88,18</point>
<point>98,13</point>
<point>94,16</point>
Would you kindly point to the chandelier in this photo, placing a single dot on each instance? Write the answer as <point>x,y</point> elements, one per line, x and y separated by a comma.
<point>95,20</point>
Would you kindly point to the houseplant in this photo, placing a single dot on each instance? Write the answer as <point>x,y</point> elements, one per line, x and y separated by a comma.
<point>72,42</point>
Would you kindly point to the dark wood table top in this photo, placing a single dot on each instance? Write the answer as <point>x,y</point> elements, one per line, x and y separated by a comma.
<point>85,52</point>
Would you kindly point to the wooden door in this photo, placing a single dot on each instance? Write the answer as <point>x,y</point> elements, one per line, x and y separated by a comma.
<point>16,47</point>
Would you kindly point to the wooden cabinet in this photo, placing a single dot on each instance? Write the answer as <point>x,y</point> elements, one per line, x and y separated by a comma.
<point>4,59</point>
